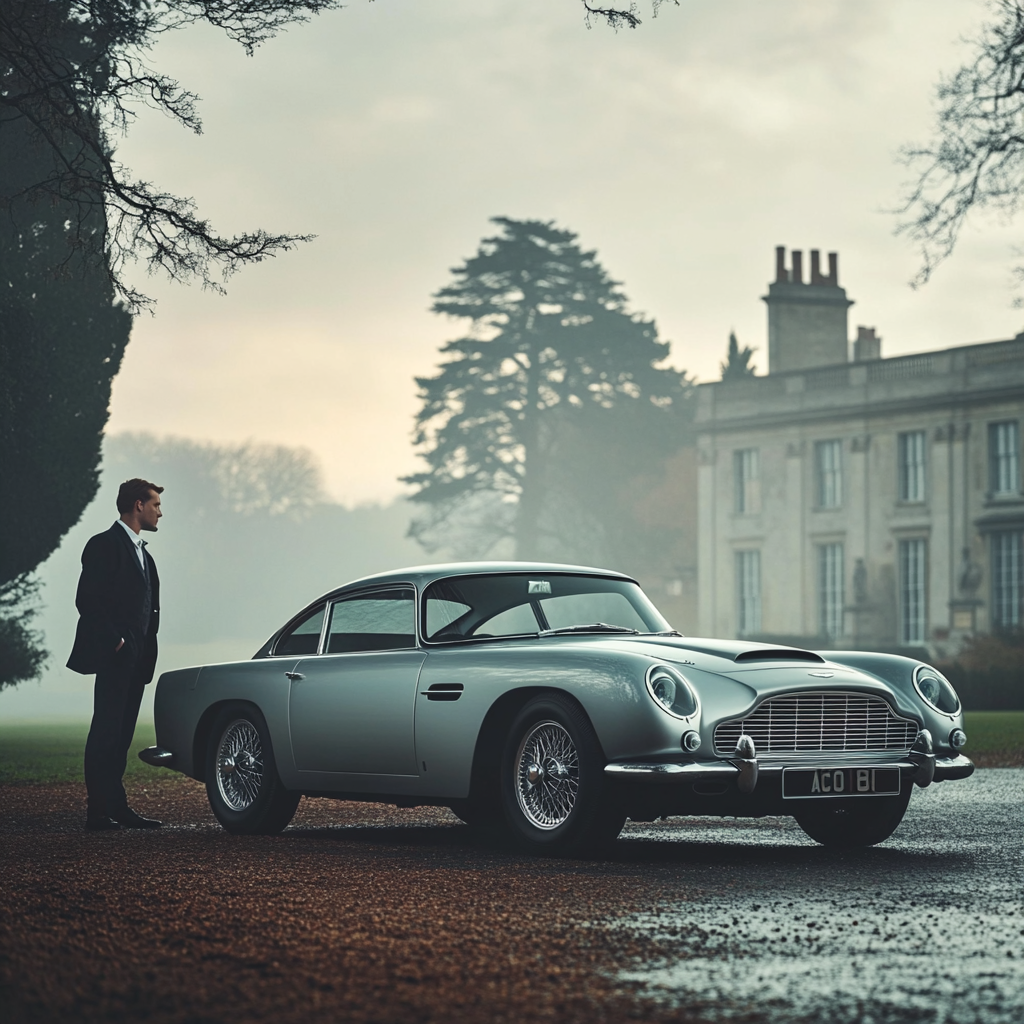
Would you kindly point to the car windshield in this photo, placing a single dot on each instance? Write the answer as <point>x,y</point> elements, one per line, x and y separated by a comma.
<point>517,604</point>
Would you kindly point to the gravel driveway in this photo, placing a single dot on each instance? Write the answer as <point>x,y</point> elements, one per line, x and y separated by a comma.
<point>368,913</point>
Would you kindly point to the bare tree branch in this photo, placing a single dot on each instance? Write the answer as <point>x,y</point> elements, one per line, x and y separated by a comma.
<point>975,159</point>
<point>75,72</point>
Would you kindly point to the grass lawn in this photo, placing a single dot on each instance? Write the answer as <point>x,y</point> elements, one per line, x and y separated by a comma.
<point>44,752</point>
<point>48,752</point>
<point>995,735</point>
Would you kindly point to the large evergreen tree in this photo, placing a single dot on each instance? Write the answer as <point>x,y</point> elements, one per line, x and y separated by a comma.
<point>61,343</point>
<point>552,354</point>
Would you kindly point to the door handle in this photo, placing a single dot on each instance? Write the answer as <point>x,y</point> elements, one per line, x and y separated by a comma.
<point>295,676</point>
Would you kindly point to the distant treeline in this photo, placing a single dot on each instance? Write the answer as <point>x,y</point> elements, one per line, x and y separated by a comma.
<point>248,536</point>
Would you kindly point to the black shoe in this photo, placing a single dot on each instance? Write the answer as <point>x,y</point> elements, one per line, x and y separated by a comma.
<point>129,819</point>
<point>101,823</point>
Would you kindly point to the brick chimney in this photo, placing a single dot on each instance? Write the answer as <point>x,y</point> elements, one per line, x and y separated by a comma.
<point>867,345</point>
<point>807,323</point>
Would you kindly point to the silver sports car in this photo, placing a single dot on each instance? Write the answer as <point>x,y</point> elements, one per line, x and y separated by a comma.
<point>553,702</point>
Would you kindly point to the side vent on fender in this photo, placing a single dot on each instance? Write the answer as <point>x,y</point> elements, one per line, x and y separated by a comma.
<point>444,691</point>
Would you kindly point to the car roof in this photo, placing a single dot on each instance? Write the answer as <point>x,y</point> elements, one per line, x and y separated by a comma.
<point>421,575</point>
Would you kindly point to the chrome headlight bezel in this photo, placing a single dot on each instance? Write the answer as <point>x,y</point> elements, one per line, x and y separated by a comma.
<point>682,686</point>
<point>933,696</point>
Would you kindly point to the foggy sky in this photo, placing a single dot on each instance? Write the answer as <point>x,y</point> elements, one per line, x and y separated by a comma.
<point>684,151</point>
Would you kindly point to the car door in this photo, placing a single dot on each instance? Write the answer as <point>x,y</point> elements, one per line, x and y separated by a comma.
<point>351,707</point>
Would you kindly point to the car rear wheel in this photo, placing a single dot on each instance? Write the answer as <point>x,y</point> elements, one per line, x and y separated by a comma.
<point>553,789</point>
<point>245,791</point>
<point>854,821</point>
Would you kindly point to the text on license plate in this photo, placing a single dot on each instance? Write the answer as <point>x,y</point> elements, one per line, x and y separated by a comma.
<point>801,783</point>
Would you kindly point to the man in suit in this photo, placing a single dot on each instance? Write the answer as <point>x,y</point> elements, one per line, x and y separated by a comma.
<point>118,603</point>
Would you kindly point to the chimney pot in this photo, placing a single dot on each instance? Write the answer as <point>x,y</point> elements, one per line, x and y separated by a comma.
<point>798,267</point>
<point>833,269</point>
<point>781,274</point>
<point>816,277</point>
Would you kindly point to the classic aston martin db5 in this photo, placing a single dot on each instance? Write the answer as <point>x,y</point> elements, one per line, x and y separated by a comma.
<point>553,702</point>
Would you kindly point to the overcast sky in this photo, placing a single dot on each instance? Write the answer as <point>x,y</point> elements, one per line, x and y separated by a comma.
<point>683,151</point>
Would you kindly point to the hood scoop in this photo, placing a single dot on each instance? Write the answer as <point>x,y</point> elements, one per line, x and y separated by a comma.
<point>779,654</point>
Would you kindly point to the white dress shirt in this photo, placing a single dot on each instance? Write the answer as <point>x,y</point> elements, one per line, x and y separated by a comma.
<point>137,541</point>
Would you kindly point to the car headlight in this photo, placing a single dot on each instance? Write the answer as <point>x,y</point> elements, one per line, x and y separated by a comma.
<point>934,689</point>
<point>671,691</point>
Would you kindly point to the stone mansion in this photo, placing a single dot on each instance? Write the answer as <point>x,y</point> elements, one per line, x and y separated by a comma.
<point>848,500</point>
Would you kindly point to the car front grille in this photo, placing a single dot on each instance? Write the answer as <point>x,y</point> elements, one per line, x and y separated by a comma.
<point>812,723</point>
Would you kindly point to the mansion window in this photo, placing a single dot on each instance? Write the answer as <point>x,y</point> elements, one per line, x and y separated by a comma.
<point>1007,579</point>
<point>830,590</point>
<point>913,556</point>
<point>746,465</point>
<point>1004,457</point>
<point>911,466</point>
<point>748,589</point>
<point>828,473</point>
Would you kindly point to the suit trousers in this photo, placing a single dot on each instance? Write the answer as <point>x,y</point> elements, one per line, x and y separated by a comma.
<point>117,697</point>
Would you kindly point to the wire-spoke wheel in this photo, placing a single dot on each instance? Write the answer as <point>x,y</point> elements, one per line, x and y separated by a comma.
<point>548,775</point>
<point>245,792</point>
<point>554,793</point>
<point>240,765</point>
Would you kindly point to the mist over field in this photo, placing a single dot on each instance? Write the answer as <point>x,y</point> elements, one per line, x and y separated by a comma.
<point>681,152</point>
<point>247,539</point>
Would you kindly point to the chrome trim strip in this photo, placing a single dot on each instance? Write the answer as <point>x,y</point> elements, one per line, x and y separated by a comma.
<point>690,771</point>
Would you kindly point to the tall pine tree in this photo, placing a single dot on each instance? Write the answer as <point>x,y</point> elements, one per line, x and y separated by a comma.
<point>551,354</point>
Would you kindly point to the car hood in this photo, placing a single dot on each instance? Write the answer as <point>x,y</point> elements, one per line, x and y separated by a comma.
<point>739,674</point>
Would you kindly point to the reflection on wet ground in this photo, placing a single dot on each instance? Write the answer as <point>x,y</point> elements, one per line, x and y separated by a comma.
<point>927,927</point>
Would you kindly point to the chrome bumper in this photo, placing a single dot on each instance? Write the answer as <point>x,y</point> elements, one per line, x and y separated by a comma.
<point>921,765</point>
<point>958,767</point>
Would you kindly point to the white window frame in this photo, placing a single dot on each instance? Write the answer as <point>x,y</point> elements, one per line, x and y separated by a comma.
<point>1004,457</point>
<point>831,590</point>
<point>748,592</point>
<point>1007,563</point>
<point>913,590</point>
<point>912,466</point>
<point>746,468</point>
<point>828,474</point>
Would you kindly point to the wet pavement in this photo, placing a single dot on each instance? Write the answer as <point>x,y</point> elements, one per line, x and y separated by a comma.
<point>363,912</point>
<point>926,927</point>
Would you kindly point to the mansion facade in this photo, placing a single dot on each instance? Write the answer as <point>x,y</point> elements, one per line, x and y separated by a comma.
<point>847,500</point>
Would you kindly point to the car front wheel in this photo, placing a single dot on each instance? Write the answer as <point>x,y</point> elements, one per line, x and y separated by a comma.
<point>854,821</point>
<point>245,791</point>
<point>554,794</point>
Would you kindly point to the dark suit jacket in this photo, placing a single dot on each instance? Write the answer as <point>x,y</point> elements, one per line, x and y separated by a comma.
<point>111,605</point>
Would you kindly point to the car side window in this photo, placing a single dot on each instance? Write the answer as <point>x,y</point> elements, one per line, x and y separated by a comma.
<point>303,638</point>
<point>384,620</point>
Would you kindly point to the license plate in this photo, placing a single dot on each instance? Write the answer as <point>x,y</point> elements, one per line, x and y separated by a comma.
<point>809,783</point>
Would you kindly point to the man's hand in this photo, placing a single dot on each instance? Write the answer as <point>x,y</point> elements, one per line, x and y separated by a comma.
<point>119,646</point>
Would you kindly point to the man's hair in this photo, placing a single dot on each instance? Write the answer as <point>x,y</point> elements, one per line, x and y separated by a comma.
<point>134,490</point>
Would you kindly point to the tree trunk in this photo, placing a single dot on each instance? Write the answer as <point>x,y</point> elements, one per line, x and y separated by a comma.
<point>531,496</point>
